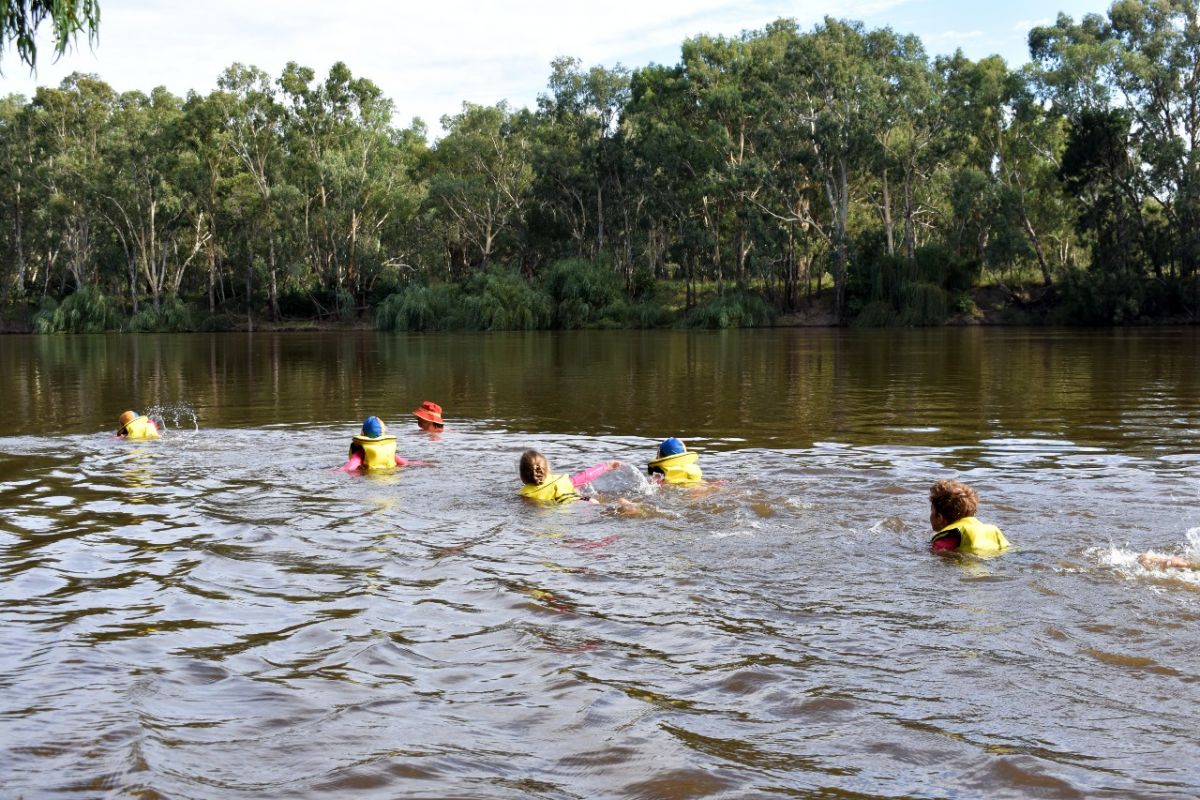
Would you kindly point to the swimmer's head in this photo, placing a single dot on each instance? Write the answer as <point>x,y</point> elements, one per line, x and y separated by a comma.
<point>671,447</point>
<point>127,417</point>
<point>951,501</point>
<point>533,467</point>
<point>373,428</point>
<point>429,416</point>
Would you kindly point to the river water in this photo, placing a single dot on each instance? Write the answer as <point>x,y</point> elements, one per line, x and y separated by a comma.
<point>219,614</point>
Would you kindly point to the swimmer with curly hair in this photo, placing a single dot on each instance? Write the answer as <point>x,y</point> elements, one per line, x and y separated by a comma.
<point>952,508</point>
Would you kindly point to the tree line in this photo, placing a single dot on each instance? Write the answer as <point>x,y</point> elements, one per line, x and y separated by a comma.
<point>759,175</point>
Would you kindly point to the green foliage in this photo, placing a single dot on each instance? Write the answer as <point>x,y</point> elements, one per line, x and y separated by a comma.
<point>172,316</point>
<point>1101,298</point>
<point>581,292</point>
<point>500,300</point>
<point>775,161</point>
<point>922,304</point>
<point>939,265</point>
<point>876,314</point>
<point>87,310</point>
<point>19,21</point>
<point>345,305</point>
<point>647,314</point>
<point>419,308</point>
<point>216,323</point>
<point>963,303</point>
<point>732,310</point>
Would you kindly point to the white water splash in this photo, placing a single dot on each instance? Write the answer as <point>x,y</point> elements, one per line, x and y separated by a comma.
<point>178,415</point>
<point>1125,559</point>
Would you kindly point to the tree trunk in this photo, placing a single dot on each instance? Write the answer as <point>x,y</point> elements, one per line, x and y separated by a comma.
<point>1037,249</point>
<point>910,234</point>
<point>212,276</point>
<point>274,288</point>
<point>887,216</point>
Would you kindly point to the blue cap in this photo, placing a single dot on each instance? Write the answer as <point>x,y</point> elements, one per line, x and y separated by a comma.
<point>373,427</point>
<point>671,447</point>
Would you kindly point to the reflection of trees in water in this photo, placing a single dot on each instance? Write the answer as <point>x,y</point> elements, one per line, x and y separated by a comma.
<point>779,388</point>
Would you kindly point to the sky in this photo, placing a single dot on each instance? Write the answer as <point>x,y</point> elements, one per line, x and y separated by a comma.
<point>429,58</point>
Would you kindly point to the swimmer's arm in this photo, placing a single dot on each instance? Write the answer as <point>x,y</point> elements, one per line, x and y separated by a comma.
<point>591,473</point>
<point>1151,561</point>
<point>352,464</point>
<point>948,540</point>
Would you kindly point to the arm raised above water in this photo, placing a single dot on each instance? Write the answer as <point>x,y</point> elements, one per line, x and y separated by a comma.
<point>591,473</point>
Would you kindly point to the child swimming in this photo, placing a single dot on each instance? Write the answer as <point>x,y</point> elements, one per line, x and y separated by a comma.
<point>675,464</point>
<point>951,500</point>
<point>1155,561</point>
<point>137,426</point>
<point>429,416</point>
<point>543,486</point>
<point>373,448</point>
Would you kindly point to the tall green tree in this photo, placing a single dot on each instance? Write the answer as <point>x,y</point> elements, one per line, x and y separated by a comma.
<point>480,182</point>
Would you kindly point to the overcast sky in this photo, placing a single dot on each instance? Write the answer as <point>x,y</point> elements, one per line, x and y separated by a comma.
<point>430,57</point>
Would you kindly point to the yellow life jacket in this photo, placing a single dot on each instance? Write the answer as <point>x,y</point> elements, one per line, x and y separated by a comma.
<point>555,489</point>
<point>378,452</point>
<point>974,536</point>
<point>679,468</point>
<point>139,428</point>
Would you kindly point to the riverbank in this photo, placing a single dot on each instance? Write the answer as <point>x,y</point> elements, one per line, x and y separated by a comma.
<point>448,308</point>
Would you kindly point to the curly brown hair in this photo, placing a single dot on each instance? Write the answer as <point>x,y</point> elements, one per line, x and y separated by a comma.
<point>953,500</point>
<point>533,467</point>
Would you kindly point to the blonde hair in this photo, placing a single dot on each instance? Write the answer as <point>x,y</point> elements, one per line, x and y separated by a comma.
<point>953,500</point>
<point>533,467</point>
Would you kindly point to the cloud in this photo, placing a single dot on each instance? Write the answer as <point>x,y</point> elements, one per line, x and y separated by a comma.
<point>431,57</point>
<point>1026,25</point>
<point>955,36</point>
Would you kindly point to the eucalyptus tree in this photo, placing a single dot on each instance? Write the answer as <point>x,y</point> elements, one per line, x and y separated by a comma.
<point>353,171</point>
<point>142,196</point>
<point>908,131</point>
<point>732,81</point>
<point>20,20</point>
<point>68,126</point>
<point>18,198</point>
<point>255,129</point>
<point>480,181</point>
<point>577,153</point>
<point>1156,69</point>
<point>835,94</point>
<point>1129,82</point>
<point>206,164</point>
<point>671,165</point>
<point>1077,67</point>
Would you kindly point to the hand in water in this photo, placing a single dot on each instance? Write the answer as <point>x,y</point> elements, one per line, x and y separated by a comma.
<point>1151,561</point>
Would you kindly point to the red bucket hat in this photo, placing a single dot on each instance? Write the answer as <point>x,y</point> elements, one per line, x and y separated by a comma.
<point>430,412</point>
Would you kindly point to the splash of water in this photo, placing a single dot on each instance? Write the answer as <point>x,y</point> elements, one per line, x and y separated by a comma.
<point>1126,560</point>
<point>1192,548</point>
<point>177,414</point>
<point>629,480</point>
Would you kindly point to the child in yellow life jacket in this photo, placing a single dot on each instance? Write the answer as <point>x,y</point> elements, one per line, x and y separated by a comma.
<point>137,426</point>
<point>952,507</point>
<point>541,485</point>
<point>675,464</point>
<point>373,448</point>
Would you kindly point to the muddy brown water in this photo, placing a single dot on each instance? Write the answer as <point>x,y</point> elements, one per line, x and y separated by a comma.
<point>219,615</point>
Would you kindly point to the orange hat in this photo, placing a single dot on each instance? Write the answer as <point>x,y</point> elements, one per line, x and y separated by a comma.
<point>126,418</point>
<point>430,412</point>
